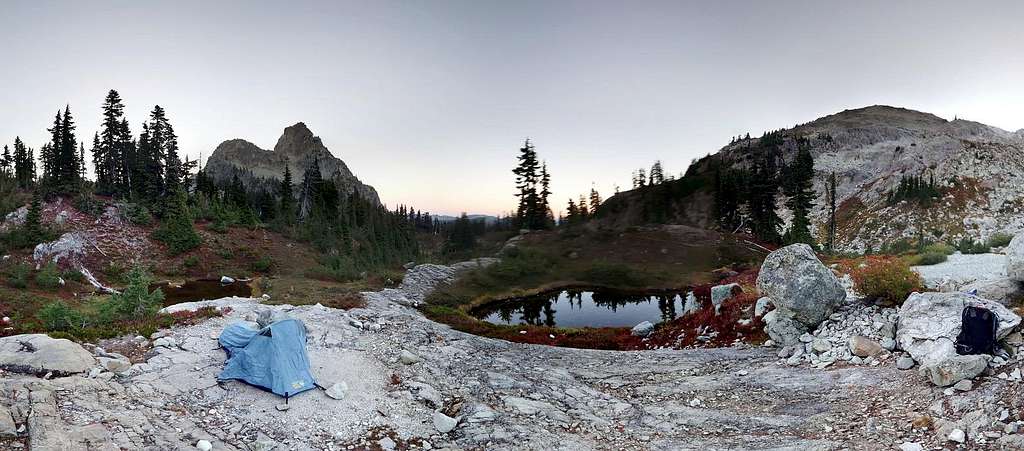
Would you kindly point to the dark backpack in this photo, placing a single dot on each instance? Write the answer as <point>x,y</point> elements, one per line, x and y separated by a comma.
<point>977,331</point>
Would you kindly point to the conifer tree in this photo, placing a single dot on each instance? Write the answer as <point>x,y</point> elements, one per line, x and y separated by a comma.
<point>830,193</point>
<point>24,164</point>
<point>7,163</point>
<point>533,210</point>
<point>641,178</point>
<point>176,229</point>
<point>309,194</point>
<point>582,208</point>
<point>33,226</point>
<point>764,188</point>
<point>595,199</point>
<point>286,195</point>
<point>60,157</point>
<point>657,174</point>
<point>801,197</point>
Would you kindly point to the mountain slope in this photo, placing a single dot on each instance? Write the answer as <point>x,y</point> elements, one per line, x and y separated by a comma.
<point>296,148</point>
<point>976,167</point>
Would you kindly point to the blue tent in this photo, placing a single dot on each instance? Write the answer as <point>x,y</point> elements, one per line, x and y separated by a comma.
<point>273,358</point>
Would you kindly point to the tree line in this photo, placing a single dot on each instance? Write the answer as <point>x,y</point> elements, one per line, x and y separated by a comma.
<point>146,173</point>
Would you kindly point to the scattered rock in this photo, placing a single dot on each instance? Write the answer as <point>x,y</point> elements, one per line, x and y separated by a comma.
<point>957,436</point>
<point>337,391</point>
<point>955,369</point>
<point>226,280</point>
<point>964,385</point>
<point>204,445</point>
<point>721,293</point>
<point>409,358</point>
<point>643,329</point>
<point>783,328</point>
<point>911,446</point>
<point>443,423</point>
<point>762,305</point>
<point>904,363</point>
<point>864,347</point>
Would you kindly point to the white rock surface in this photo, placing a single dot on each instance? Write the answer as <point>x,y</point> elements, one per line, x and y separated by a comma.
<point>38,353</point>
<point>930,322</point>
<point>1015,258</point>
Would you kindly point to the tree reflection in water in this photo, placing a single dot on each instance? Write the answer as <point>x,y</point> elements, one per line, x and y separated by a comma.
<point>541,310</point>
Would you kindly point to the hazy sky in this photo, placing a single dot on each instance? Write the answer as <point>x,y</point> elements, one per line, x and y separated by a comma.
<point>429,100</point>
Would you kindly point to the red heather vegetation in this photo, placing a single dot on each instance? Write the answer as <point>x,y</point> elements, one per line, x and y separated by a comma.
<point>723,328</point>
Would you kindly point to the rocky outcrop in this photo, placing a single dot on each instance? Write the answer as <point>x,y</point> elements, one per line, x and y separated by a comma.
<point>69,248</point>
<point>803,291</point>
<point>419,281</point>
<point>296,148</point>
<point>1015,258</point>
<point>927,329</point>
<point>40,354</point>
<point>1002,290</point>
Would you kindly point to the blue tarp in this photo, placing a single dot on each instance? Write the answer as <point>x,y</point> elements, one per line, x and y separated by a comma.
<point>273,358</point>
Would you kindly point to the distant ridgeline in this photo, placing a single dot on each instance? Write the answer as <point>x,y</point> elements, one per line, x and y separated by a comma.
<point>876,171</point>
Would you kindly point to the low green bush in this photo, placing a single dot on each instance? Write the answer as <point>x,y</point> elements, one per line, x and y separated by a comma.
<point>48,277</point>
<point>137,214</point>
<point>191,261</point>
<point>999,239</point>
<point>939,248</point>
<point>969,246</point>
<point>263,264</point>
<point>929,258</point>
<point>57,316</point>
<point>17,275</point>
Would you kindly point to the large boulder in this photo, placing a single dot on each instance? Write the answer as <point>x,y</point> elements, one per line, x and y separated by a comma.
<point>929,323</point>
<point>1003,290</point>
<point>1015,258</point>
<point>40,354</point>
<point>799,285</point>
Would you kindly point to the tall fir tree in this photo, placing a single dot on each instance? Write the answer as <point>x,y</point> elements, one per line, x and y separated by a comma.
<point>7,163</point>
<point>657,173</point>
<point>595,200</point>
<point>60,157</point>
<point>799,188</point>
<point>287,196</point>
<point>764,190</point>
<point>533,210</point>
<point>830,194</point>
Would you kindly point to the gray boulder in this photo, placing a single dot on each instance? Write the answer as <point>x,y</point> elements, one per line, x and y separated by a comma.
<point>721,293</point>
<point>761,307</point>
<point>929,323</point>
<point>1015,258</point>
<point>955,368</point>
<point>643,329</point>
<point>40,354</point>
<point>798,284</point>
<point>782,328</point>
<point>1003,290</point>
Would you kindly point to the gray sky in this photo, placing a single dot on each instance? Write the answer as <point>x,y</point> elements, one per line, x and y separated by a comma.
<point>429,100</point>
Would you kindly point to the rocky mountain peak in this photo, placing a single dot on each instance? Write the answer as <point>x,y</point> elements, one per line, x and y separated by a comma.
<point>296,149</point>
